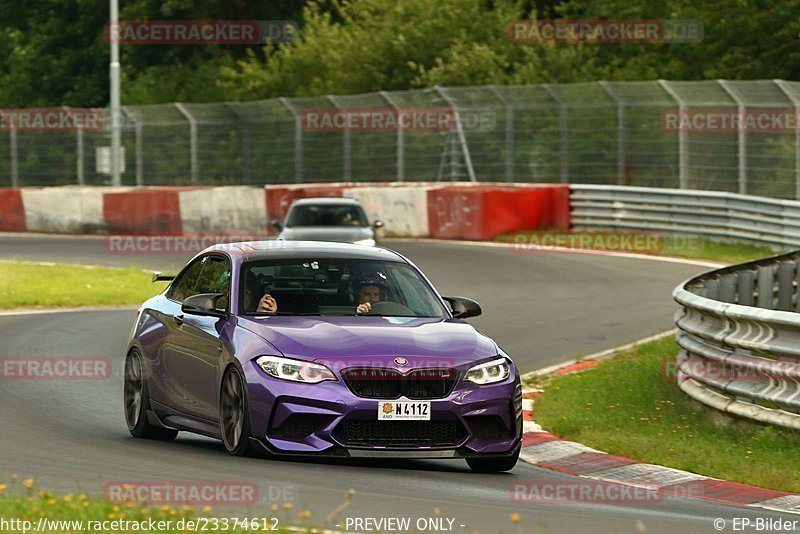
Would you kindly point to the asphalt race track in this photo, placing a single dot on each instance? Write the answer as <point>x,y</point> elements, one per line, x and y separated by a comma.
<point>542,308</point>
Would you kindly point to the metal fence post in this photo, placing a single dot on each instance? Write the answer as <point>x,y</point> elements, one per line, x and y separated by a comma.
<point>742,133</point>
<point>620,130</point>
<point>683,136</point>
<point>796,103</point>
<point>459,131</point>
<point>247,160</point>
<point>137,133</point>
<point>79,148</point>
<point>509,132</point>
<point>563,118</point>
<point>298,139</point>
<point>401,139</point>
<point>192,141</point>
<point>347,148</point>
<point>14,163</point>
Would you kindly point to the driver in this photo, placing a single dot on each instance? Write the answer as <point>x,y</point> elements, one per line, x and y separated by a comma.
<point>367,296</point>
<point>370,291</point>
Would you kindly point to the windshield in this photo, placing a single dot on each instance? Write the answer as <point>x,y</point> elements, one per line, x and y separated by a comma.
<point>327,215</point>
<point>312,286</point>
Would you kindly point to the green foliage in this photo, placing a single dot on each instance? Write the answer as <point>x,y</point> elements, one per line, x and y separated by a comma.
<point>53,52</point>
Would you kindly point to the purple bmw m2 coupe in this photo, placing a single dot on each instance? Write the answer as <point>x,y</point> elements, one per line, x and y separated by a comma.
<point>310,348</point>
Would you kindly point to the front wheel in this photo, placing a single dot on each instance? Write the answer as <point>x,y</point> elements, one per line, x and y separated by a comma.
<point>137,401</point>
<point>234,419</point>
<point>493,465</point>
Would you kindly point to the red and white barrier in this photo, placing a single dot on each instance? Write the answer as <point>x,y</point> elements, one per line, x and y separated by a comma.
<point>458,210</point>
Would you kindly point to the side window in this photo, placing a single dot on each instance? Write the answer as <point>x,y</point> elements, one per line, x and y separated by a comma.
<point>184,286</point>
<point>216,278</point>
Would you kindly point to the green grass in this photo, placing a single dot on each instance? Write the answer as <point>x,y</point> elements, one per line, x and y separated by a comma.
<point>679,247</point>
<point>631,406</point>
<point>23,501</point>
<point>25,285</point>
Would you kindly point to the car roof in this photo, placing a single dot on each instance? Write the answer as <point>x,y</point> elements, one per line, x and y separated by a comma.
<point>326,201</point>
<point>280,249</point>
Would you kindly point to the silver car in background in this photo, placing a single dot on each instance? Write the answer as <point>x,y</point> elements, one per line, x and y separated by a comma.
<point>327,219</point>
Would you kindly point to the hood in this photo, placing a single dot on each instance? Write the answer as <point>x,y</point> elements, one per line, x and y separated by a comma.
<point>349,341</point>
<point>343,234</point>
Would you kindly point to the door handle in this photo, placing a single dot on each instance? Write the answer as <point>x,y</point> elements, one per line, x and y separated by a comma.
<point>178,320</point>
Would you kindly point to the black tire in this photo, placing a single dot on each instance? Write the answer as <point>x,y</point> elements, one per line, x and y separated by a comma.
<point>137,401</point>
<point>234,417</point>
<point>493,465</point>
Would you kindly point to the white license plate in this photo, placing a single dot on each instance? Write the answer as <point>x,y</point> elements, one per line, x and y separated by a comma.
<point>404,411</point>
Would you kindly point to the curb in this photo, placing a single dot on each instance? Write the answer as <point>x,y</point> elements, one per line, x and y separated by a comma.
<point>544,450</point>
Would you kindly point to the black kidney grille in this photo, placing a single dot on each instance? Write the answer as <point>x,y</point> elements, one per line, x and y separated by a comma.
<point>382,383</point>
<point>398,433</point>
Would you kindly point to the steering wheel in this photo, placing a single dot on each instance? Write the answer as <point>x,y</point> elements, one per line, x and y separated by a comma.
<point>387,307</point>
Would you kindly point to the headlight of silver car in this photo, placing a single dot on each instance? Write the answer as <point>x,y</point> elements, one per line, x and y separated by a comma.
<point>489,372</point>
<point>368,242</point>
<point>295,370</point>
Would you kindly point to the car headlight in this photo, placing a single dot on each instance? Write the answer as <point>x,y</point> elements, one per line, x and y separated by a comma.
<point>368,242</point>
<point>295,370</point>
<point>489,372</point>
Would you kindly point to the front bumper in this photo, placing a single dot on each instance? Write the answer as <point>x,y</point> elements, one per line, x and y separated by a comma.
<point>328,419</point>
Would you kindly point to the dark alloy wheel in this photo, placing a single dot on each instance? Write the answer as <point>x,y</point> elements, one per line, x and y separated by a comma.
<point>234,419</point>
<point>137,401</point>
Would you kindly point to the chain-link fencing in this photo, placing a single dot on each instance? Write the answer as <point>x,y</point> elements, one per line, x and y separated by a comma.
<point>738,136</point>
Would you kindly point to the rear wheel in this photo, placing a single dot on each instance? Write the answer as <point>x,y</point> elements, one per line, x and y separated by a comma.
<point>493,465</point>
<point>233,415</point>
<point>137,401</point>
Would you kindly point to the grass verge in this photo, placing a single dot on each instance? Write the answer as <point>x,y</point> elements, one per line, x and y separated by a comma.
<point>648,243</point>
<point>22,511</point>
<point>632,406</point>
<point>65,285</point>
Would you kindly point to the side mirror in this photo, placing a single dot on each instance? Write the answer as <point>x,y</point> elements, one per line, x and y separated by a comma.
<point>203,304</point>
<point>463,307</point>
<point>377,224</point>
<point>277,224</point>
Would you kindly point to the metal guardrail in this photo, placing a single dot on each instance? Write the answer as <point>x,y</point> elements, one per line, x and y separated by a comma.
<point>713,214</point>
<point>739,326</point>
<point>739,337</point>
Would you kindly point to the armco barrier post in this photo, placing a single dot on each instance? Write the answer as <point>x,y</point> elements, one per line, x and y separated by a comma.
<point>785,285</point>
<point>766,281</point>
<point>745,288</point>
<point>727,287</point>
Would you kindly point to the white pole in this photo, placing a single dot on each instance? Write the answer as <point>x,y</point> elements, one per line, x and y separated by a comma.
<point>116,179</point>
